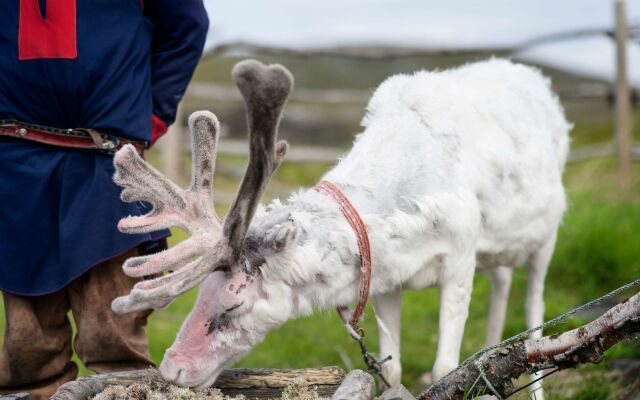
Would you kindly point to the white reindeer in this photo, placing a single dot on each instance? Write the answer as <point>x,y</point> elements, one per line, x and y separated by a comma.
<point>455,171</point>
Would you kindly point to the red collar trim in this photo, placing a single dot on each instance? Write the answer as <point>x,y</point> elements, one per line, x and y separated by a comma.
<point>352,216</point>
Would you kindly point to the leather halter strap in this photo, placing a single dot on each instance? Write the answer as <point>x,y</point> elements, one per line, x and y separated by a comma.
<point>364,249</point>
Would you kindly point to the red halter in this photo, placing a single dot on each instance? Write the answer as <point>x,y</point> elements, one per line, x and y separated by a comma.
<point>360,230</point>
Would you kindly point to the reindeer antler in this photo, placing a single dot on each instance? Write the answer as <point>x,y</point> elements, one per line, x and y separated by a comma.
<point>265,91</point>
<point>211,245</point>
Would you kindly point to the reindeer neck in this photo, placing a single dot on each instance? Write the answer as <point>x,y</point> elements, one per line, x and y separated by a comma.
<point>320,266</point>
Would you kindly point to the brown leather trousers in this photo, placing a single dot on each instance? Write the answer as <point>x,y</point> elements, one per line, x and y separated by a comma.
<point>37,349</point>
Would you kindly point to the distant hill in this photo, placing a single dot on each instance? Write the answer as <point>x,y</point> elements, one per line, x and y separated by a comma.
<point>335,124</point>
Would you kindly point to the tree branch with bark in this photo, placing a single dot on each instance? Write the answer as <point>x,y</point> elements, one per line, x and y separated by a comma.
<point>586,344</point>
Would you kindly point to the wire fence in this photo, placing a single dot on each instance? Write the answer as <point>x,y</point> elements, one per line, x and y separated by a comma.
<point>377,52</point>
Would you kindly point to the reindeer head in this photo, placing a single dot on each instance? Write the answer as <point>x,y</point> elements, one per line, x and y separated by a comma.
<point>226,320</point>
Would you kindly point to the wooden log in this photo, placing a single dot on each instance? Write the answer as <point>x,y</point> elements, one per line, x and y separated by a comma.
<point>259,383</point>
<point>243,378</point>
<point>89,386</point>
<point>171,147</point>
<point>622,100</point>
<point>269,383</point>
<point>15,396</point>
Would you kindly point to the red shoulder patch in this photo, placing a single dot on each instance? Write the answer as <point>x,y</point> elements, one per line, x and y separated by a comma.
<point>50,37</point>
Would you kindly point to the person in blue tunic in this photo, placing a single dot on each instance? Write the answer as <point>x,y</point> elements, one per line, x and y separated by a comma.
<point>115,67</point>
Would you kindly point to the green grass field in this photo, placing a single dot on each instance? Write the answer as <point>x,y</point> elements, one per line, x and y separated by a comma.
<point>598,250</point>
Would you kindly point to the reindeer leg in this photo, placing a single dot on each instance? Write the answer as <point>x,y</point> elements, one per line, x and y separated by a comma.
<point>534,306</point>
<point>500,286</point>
<point>455,292</point>
<point>388,314</point>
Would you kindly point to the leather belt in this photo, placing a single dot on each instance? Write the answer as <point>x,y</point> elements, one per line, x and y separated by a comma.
<point>77,138</point>
<point>352,216</point>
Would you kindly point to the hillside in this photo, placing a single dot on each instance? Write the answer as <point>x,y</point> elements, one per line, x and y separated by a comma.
<point>335,124</point>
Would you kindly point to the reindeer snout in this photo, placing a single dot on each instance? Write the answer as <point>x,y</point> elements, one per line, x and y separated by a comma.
<point>175,367</point>
<point>173,375</point>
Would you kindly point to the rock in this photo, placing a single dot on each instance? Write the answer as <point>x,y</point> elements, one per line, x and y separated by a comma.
<point>357,385</point>
<point>397,392</point>
<point>15,396</point>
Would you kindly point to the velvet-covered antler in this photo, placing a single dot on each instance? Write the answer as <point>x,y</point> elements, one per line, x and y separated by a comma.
<point>265,91</point>
<point>212,245</point>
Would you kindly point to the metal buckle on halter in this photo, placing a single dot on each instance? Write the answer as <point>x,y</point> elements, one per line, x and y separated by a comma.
<point>374,366</point>
<point>358,329</point>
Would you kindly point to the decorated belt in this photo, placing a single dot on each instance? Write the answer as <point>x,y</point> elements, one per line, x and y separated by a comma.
<point>77,138</point>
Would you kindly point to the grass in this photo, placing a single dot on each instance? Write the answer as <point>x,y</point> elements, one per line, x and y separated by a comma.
<point>598,250</point>
<point>587,383</point>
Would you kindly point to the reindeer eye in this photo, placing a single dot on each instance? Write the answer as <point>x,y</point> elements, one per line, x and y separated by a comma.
<point>224,267</point>
<point>232,308</point>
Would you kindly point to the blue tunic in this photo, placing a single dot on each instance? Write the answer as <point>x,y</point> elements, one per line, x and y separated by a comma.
<point>109,65</point>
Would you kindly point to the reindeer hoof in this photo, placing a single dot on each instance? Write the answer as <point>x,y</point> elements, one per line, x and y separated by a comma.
<point>426,379</point>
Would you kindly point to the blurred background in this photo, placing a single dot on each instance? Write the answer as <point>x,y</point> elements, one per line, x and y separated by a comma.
<point>339,52</point>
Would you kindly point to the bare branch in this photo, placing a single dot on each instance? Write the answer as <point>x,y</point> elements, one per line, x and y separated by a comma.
<point>586,344</point>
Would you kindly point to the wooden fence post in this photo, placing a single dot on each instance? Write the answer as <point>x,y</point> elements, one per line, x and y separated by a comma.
<point>172,147</point>
<point>622,100</point>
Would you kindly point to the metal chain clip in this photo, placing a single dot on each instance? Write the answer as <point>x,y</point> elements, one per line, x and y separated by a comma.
<point>374,366</point>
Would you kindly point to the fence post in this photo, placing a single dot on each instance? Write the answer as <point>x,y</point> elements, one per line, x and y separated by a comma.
<point>622,100</point>
<point>172,147</point>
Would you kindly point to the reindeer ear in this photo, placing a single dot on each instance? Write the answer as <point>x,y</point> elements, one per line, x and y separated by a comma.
<point>281,236</point>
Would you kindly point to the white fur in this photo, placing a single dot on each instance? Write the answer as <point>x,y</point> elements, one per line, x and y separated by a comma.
<point>453,167</point>
<point>455,170</point>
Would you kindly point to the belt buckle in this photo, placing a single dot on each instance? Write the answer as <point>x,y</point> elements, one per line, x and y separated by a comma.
<point>101,142</point>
